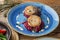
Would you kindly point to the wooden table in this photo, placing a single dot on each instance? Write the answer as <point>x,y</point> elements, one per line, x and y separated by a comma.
<point>55,4</point>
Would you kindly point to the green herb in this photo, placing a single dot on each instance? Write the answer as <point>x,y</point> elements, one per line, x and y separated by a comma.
<point>2,37</point>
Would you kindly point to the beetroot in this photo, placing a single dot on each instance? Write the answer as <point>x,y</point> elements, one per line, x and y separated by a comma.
<point>42,24</point>
<point>26,15</point>
<point>27,26</point>
<point>36,29</point>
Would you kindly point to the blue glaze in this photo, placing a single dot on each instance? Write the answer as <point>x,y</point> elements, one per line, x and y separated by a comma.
<point>21,18</point>
<point>46,12</point>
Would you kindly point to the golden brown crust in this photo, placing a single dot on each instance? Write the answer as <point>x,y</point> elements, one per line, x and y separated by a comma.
<point>34,20</point>
<point>29,10</point>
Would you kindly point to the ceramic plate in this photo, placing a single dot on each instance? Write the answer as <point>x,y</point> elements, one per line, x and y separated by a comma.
<point>48,15</point>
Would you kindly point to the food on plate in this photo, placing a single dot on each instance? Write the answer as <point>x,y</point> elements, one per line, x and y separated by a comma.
<point>34,20</point>
<point>28,27</point>
<point>34,23</point>
<point>2,34</point>
<point>31,10</point>
<point>36,29</point>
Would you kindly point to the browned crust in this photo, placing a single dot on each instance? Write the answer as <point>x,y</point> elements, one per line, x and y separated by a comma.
<point>34,20</point>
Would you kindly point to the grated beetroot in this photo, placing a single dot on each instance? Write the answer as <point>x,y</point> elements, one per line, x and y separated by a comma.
<point>33,14</point>
<point>26,15</point>
<point>36,29</point>
<point>27,26</point>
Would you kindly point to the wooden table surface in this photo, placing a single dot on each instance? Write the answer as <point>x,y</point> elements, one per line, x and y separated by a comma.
<point>55,4</point>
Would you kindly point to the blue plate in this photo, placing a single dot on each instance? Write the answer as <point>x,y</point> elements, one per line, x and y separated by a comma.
<point>48,15</point>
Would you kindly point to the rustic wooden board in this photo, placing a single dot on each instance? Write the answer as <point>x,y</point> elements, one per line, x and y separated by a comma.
<point>55,4</point>
<point>14,35</point>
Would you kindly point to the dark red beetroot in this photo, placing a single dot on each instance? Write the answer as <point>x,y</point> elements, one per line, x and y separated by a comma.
<point>38,28</point>
<point>42,24</point>
<point>27,26</point>
<point>33,14</point>
<point>26,15</point>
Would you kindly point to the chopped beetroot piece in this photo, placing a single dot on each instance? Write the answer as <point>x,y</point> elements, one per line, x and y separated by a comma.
<point>26,15</point>
<point>38,28</point>
<point>42,24</point>
<point>27,26</point>
<point>39,14</point>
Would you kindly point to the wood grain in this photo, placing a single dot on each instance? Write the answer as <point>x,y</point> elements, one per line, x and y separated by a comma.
<point>55,4</point>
